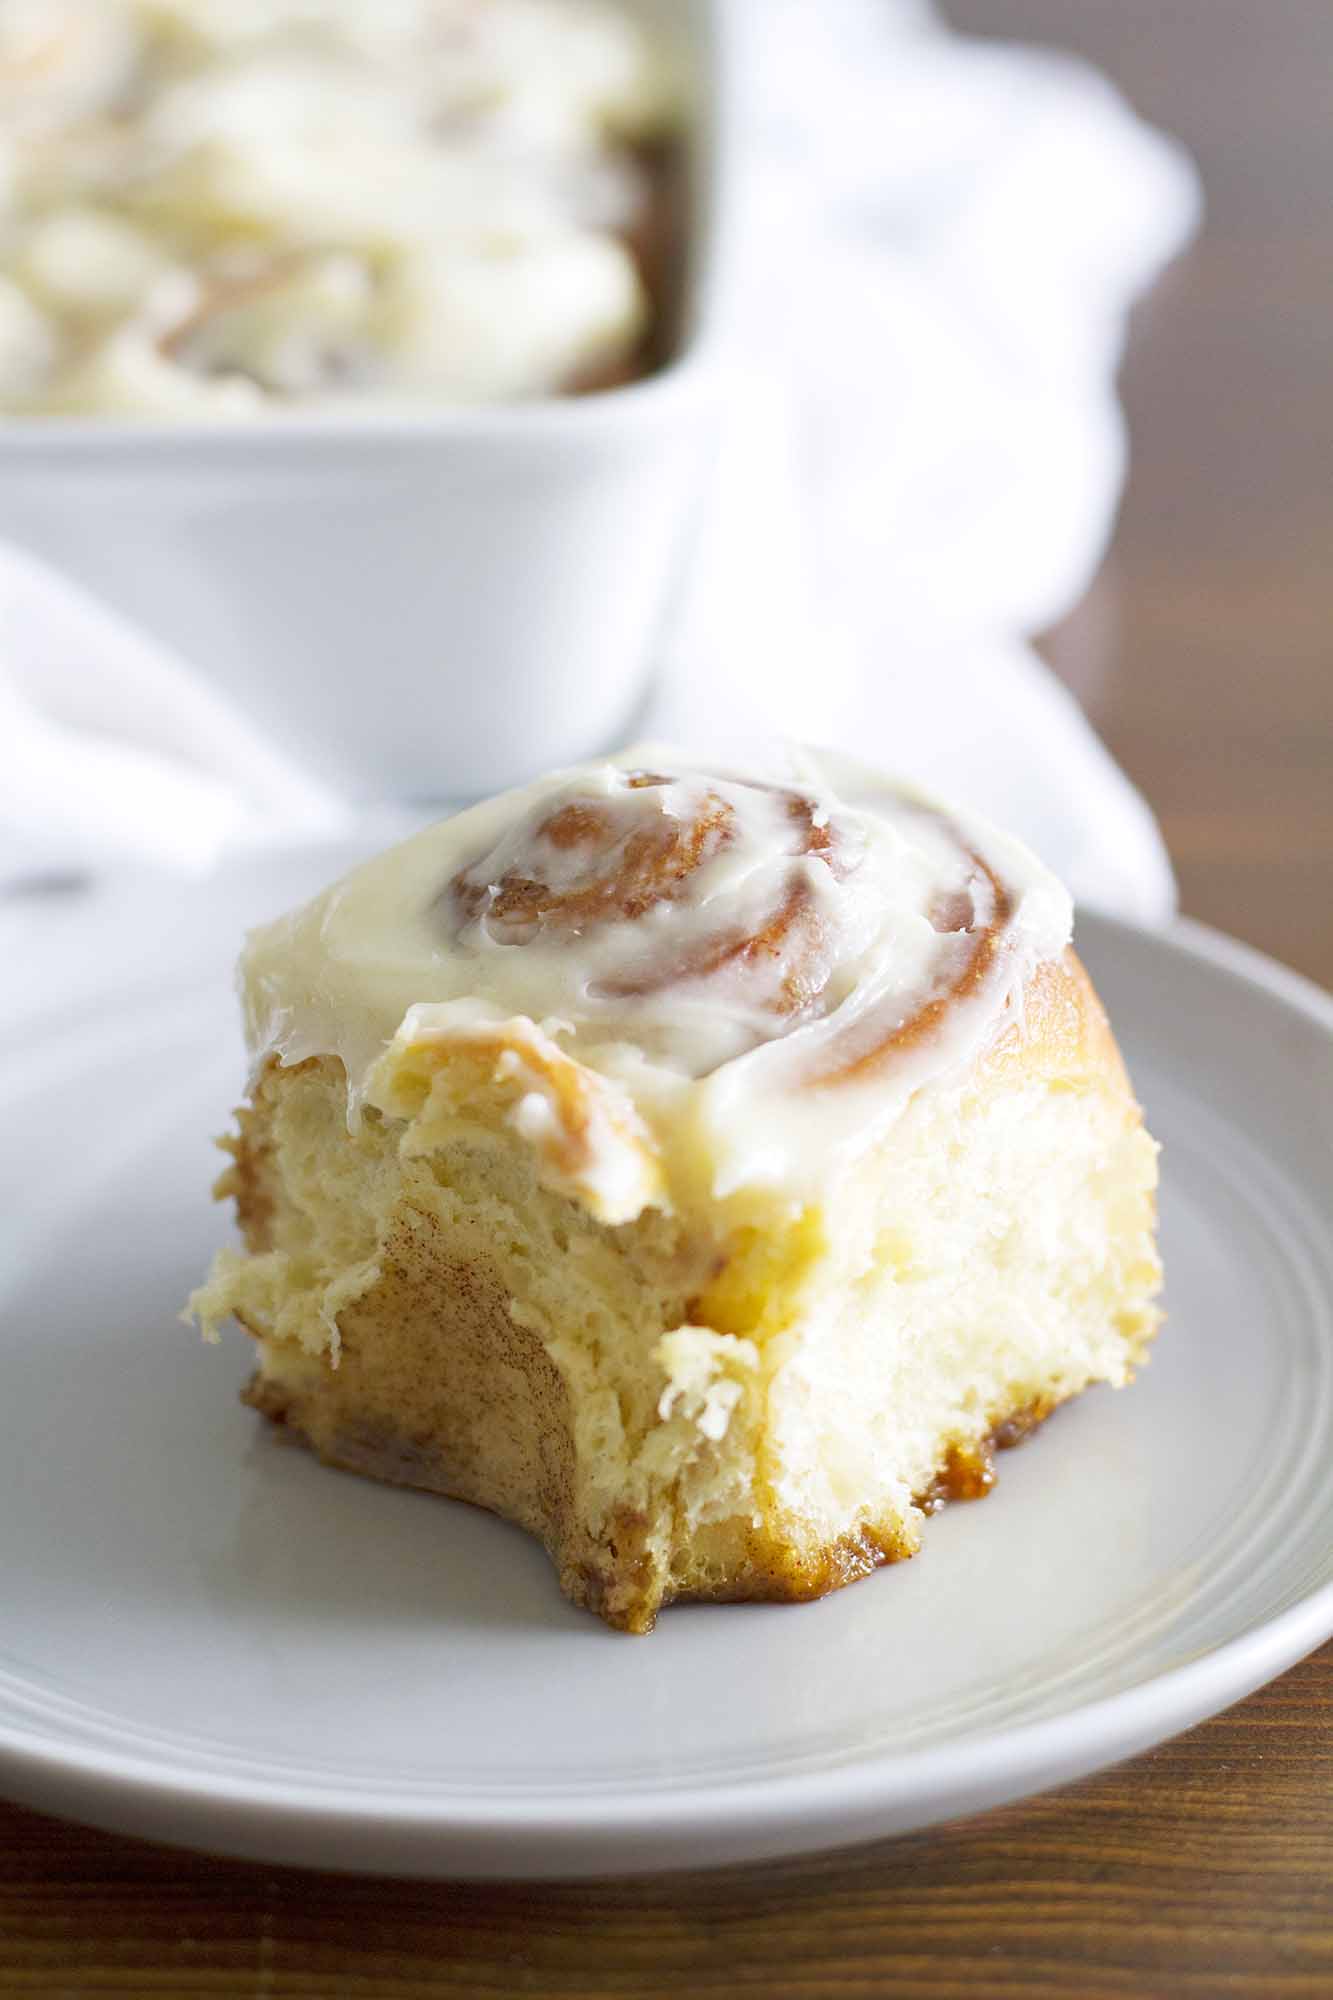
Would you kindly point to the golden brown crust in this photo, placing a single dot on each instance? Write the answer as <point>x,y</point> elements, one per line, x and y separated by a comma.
<point>618,1578</point>
<point>1062,1036</point>
<point>251,1180</point>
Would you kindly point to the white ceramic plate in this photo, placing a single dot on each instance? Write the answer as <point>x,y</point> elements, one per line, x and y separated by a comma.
<point>208,1638</point>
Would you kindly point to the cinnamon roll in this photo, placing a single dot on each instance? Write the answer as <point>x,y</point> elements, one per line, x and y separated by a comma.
<point>704,1167</point>
<point>218,212</point>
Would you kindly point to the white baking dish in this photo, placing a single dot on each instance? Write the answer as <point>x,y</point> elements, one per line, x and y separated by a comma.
<point>417,603</point>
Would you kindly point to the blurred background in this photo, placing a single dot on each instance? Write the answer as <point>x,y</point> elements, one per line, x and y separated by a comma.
<point>1204,652</point>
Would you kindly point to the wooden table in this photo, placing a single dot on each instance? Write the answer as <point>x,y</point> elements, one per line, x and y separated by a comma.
<point>1206,656</point>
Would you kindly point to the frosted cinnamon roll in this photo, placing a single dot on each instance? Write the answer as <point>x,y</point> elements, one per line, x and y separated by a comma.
<point>703,1166</point>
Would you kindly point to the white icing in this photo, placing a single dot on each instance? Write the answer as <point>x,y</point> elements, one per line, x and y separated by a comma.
<point>397,198</point>
<point>862,905</point>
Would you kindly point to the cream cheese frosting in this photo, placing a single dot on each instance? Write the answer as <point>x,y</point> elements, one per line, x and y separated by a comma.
<point>215,208</point>
<point>754,969</point>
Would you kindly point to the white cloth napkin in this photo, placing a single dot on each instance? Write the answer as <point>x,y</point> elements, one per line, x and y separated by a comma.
<point>112,750</point>
<point>934,249</point>
<point>939,241</point>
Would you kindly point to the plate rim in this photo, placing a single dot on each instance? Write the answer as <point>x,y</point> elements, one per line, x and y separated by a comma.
<point>621,1832</point>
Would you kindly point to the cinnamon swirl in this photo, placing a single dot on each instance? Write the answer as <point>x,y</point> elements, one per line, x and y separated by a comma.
<point>704,1167</point>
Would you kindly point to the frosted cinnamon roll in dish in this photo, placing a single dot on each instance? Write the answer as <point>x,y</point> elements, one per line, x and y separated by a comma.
<point>704,1167</point>
<point>219,209</point>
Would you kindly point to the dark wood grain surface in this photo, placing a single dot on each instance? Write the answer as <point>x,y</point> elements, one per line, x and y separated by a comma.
<point>1206,656</point>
